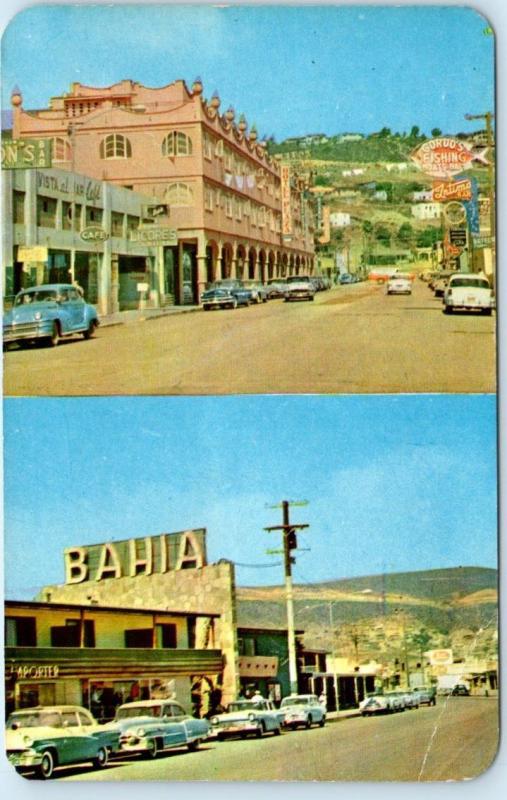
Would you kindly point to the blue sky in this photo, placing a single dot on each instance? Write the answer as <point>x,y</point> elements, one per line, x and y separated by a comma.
<point>392,483</point>
<point>291,70</point>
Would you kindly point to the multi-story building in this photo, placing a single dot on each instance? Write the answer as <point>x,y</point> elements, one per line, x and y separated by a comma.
<point>236,211</point>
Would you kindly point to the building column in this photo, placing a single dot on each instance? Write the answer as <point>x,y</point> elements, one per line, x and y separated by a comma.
<point>202,264</point>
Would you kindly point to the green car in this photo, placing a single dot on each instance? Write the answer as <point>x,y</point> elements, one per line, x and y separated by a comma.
<point>43,738</point>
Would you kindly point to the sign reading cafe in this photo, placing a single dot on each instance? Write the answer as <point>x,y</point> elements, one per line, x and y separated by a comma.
<point>135,557</point>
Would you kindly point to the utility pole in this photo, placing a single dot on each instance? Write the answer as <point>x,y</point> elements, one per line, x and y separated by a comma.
<point>289,541</point>
<point>488,117</point>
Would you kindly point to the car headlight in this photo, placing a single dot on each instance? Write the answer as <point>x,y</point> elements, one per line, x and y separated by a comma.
<point>140,731</point>
<point>28,741</point>
<point>251,717</point>
<point>37,315</point>
<point>214,720</point>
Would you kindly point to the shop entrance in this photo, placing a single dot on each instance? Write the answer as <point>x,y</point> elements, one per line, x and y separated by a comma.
<point>57,269</point>
<point>189,275</point>
<point>133,270</point>
<point>170,274</point>
<point>86,274</point>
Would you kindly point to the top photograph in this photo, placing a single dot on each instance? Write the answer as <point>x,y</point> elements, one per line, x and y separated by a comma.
<point>203,200</point>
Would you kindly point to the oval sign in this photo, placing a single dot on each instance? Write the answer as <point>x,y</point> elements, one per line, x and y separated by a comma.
<point>94,233</point>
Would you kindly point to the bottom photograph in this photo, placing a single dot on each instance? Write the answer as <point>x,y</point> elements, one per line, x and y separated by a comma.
<point>251,588</point>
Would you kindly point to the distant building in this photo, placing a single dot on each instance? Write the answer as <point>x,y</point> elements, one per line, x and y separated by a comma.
<point>339,219</point>
<point>422,197</point>
<point>380,196</point>
<point>426,211</point>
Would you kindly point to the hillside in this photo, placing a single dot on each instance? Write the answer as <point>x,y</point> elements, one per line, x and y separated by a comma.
<point>366,617</point>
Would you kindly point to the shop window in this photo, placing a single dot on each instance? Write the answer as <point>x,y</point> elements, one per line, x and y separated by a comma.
<point>177,143</point>
<point>93,215</point>
<point>132,223</point>
<point>116,224</point>
<point>66,215</point>
<point>46,212</point>
<point>180,194</point>
<point>20,632</point>
<point>139,637</point>
<point>166,635</point>
<point>116,145</point>
<point>60,149</point>
<point>18,207</point>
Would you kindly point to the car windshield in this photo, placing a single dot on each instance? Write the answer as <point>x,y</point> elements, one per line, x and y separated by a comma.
<point>45,719</point>
<point>139,711</point>
<point>295,701</point>
<point>476,283</point>
<point>243,705</point>
<point>40,296</point>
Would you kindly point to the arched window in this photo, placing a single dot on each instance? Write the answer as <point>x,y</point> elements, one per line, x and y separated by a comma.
<point>177,143</point>
<point>116,145</point>
<point>179,194</point>
<point>60,149</point>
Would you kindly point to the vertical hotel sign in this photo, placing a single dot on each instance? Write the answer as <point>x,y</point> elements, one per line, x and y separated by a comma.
<point>286,201</point>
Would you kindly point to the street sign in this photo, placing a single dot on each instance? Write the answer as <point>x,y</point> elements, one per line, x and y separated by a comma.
<point>458,237</point>
<point>26,153</point>
<point>37,254</point>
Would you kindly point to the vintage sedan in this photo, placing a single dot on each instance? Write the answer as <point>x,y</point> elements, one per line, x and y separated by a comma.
<point>43,738</point>
<point>247,718</point>
<point>468,292</point>
<point>426,695</point>
<point>399,284</point>
<point>242,293</point>
<point>302,710</point>
<point>49,313</point>
<point>218,298</point>
<point>149,726</point>
<point>259,291</point>
<point>375,704</point>
<point>299,288</point>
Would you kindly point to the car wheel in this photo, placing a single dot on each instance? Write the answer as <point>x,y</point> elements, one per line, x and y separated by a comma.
<point>310,299</point>
<point>309,721</point>
<point>46,768</point>
<point>260,730</point>
<point>322,722</point>
<point>192,746</point>
<point>277,731</point>
<point>90,331</point>
<point>55,335</point>
<point>100,760</point>
<point>152,749</point>
<point>486,312</point>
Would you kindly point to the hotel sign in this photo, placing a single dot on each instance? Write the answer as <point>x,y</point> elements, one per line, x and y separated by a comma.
<point>26,153</point>
<point>286,200</point>
<point>135,557</point>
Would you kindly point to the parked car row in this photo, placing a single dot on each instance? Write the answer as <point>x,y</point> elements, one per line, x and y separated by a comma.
<point>232,292</point>
<point>39,740</point>
<point>396,701</point>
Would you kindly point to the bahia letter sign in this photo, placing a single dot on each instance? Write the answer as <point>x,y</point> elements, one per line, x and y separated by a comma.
<point>445,157</point>
<point>134,557</point>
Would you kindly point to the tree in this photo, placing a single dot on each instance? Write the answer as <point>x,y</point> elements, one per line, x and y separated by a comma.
<point>405,233</point>
<point>383,235</point>
<point>414,132</point>
<point>436,132</point>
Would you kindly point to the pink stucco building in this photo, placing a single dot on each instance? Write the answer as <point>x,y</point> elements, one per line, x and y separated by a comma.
<point>235,211</point>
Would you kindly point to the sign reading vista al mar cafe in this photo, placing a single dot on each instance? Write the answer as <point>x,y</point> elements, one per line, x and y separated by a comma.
<point>132,557</point>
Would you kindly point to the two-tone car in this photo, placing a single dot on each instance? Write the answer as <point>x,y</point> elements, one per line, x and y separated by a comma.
<point>302,710</point>
<point>48,313</point>
<point>375,703</point>
<point>43,738</point>
<point>299,287</point>
<point>150,726</point>
<point>243,718</point>
<point>468,292</point>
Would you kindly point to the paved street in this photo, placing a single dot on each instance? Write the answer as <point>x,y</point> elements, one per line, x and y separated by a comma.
<point>456,740</point>
<point>353,339</point>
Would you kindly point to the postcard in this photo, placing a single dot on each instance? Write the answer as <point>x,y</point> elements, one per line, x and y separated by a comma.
<point>250,413</point>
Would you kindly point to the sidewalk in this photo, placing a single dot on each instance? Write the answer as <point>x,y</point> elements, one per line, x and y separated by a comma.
<point>336,716</point>
<point>143,314</point>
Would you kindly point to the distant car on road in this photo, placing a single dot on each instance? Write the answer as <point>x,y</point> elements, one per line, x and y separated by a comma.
<point>345,278</point>
<point>243,295</point>
<point>42,738</point>
<point>439,284</point>
<point>244,718</point>
<point>259,291</point>
<point>302,710</point>
<point>468,292</point>
<point>149,726</point>
<point>276,288</point>
<point>48,313</point>
<point>426,695</point>
<point>299,287</point>
<point>376,703</point>
<point>399,284</point>
<point>461,689</point>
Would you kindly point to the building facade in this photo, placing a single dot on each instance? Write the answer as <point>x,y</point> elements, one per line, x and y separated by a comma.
<point>237,212</point>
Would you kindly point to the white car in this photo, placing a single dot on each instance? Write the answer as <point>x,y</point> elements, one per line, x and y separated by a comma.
<point>399,284</point>
<point>299,288</point>
<point>468,292</point>
<point>302,710</point>
<point>247,718</point>
<point>375,704</point>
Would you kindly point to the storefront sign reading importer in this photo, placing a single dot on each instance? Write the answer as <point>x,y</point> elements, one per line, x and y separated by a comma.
<point>133,557</point>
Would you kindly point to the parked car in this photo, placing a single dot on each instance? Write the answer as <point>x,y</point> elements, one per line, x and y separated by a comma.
<point>439,284</point>
<point>426,695</point>
<point>276,289</point>
<point>399,284</point>
<point>302,710</point>
<point>468,292</point>
<point>396,700</point>
<point>242,294</point>
<point>259,292</point>
<point>299,288</point>
<point>149,726</point>
<point>376,703</point>
<point>218,298</point>
<point>461,689</point>
<point>410,698</point>
<point>345,278</point>
<point>49,312</point>
<point>247,718</point>
<point>43,738</point>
